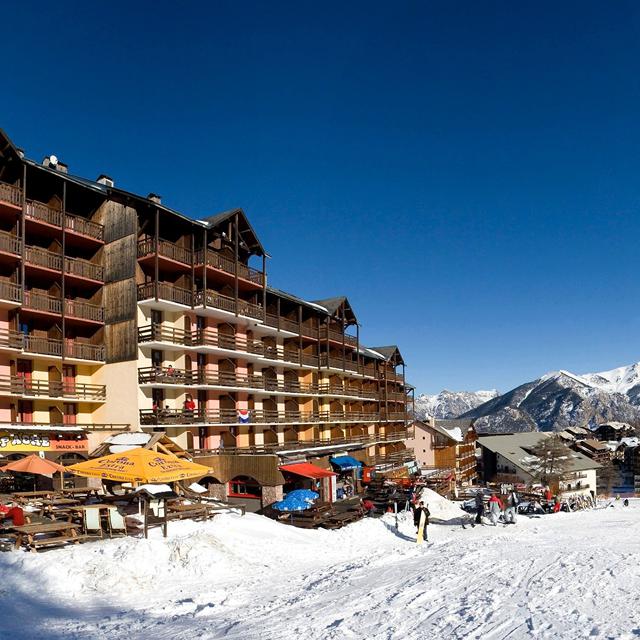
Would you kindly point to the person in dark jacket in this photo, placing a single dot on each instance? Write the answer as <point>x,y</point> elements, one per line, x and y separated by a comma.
<point>417,514</point>
<point>479,507</point>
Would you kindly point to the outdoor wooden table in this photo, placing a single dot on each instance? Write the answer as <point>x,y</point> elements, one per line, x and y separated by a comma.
<point>79,493</point>
<point>67,532</point>
<point>25,496</point>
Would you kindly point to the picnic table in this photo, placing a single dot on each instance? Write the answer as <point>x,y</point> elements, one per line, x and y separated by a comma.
<point>26,496</point>
<point>55,534</point>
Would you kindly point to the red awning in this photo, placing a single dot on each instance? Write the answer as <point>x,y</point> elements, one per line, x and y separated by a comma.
<point>307,470</point>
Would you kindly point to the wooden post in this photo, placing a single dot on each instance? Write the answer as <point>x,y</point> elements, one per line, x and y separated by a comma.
<point>235,269</point>
<point>299,334</point>
<point>344,349</point>
<point>156,262</point>
<point>264,288</point>
<point>205,262</point>
<point>63,287</point>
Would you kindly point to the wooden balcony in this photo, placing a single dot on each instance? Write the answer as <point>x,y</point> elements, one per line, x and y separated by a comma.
<point>338,390</point>
<point>10,293</point>
<point>256,416</point>
<point>166,249</point>
<point>165,291</point>
<point>43,345</point>
<point>10,339</point>
<point>54,426</point>
<point>37,301</point>
<point>216,260</point>
<point>10,243</point>
<point>27,387</point>
<point>337,336</point>
<point>10,194</point>
<point>84,269</point>
<point>40,212</point>
<point>83,310</point>
<point>39,257</point>
<point>216,300</point>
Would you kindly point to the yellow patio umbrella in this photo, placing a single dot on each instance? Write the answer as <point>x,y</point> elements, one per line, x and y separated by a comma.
<point>139,465</point>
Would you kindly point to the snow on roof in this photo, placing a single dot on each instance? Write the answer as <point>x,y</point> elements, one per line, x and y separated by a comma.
<point>136,438</point>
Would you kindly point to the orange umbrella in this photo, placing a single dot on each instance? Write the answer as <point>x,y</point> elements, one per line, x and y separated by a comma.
<point>139,465</point>
<point>34,464</point>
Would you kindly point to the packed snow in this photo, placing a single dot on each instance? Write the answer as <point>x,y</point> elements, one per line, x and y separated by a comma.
<point>566,575</point>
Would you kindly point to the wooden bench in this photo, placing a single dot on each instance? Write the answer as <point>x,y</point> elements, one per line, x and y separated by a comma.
<point>58,541</point>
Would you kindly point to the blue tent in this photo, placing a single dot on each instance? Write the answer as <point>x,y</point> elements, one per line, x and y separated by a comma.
<point>346,463</point>
<point>304,495</point>
<point>291,504</point>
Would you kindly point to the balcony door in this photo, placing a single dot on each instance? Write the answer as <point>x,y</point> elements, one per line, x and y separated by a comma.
<point>24,373</point>
<point>69,377</point>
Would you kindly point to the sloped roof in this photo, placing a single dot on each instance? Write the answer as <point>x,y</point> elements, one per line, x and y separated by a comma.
<point>7,146</point>
<point>390,352</point>
<point>336,304</point>
<point>513,447</point>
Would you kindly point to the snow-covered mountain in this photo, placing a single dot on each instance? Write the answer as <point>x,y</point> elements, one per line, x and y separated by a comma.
<point>450,404</point>
<point>562,399</point>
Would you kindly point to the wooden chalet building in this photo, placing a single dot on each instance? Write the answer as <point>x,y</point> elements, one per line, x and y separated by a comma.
<point>610,431</point>
<point>117,311</point>
<point>445,444</point>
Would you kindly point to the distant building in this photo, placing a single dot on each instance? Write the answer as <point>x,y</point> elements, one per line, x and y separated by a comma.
<point>613,431</point>
<point>594,449</point>
<point>508,458</point>
<point>446,444</point>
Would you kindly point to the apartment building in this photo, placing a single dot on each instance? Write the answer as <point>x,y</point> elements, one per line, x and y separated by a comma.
<point>118,312</point>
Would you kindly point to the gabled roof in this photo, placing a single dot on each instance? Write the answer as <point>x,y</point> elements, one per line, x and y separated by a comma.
<point>391,353</point>
<point>250,236</point>
<point>513,447</point>
<point>338,305</point>
<point>244,226</point>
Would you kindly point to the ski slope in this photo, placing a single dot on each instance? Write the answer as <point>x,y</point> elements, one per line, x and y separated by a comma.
<point>557,576</point>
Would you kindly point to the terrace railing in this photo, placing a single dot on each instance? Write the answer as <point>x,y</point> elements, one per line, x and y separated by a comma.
<point>23,386</point>
<point>84,269</point>
<point>216,260</point>
<point>10,194</point>
<point>78,308</point>
<point>10,243</point>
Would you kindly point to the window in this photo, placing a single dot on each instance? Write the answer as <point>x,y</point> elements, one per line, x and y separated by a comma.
<point>245,487</point>
<point>156,316</point>
<point>156,357</point>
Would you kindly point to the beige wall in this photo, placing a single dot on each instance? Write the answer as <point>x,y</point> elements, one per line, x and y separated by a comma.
<point>421,445</point>
<point>121,379</point>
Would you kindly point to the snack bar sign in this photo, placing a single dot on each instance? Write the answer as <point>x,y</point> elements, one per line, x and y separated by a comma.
<point>32,442</point>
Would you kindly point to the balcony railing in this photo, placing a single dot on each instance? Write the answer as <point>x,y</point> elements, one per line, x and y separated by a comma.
<point>22,386</point>
<point>225,303</point>
<point>43,258</point>
<point>44,345</point>
<point>393,457</point>
<point>337,336</point>
<point>10,339</point>
<point>38,301</point>
<point>256,416</point>
<point>86,227</point>
<point>84,350</point>
<point>78,308</point>
<point>166,249</point>
<point>84,269</point>
<point>54,426</point>
<point>10,291</point>
<point>9,242</point>
<point>10,194</point>
<point>222,263</point>
<point>339,390</point>
<point>74,224</point>
<point>165,291</point>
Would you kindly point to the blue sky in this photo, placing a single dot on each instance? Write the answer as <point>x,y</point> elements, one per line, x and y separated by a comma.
<point>466,173</point>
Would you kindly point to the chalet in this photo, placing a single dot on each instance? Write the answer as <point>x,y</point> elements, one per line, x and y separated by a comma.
<point>613,431</point>
<point>446,444</point>
<point>508,458</point>
<point>593,449</point>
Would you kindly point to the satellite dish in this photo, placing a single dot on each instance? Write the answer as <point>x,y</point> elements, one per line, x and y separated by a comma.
<point>53,160</point>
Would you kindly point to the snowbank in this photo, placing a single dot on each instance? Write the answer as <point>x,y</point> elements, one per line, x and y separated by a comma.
<point>441,508</point>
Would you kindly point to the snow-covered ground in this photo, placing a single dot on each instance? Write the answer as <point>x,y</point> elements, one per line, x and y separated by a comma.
<point>556,576</point>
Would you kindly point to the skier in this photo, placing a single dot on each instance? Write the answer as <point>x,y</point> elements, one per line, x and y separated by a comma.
<point>479,507</point>
<point>511,512</point>
<point>626,502</point>
<point>495,509</point>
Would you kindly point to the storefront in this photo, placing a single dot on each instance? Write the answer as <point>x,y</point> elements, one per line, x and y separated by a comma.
<point>349,472</point>
<point>65,445</point>
<point>304,475</point>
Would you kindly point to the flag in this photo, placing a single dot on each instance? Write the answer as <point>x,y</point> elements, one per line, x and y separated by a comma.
<point>243,416</point>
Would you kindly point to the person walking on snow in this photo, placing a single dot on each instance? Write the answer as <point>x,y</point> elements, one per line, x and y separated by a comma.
<point>511,512</point>
<point>417,514</point>
<point>495,509</point>
<point>479,507</point>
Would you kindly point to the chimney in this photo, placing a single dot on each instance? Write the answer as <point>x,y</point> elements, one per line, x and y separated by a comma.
<point>53,163</point>
<point>155,198</point>
<point>105,180</point>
